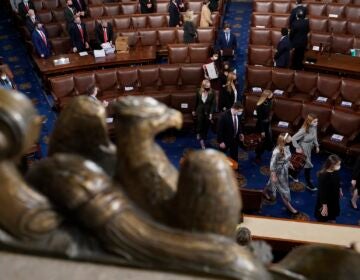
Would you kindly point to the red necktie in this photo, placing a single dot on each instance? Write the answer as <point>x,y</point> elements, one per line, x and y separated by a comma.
<point>27,7</point>
<point>43,37</point>
<point>81,32</point>
<point>105,36</point>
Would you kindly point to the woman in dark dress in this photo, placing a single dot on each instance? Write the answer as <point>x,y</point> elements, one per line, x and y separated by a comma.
<point>229,93</point>
<point>190,33</point>
<point>174,14</point>
<point>328,200</point>
<point>204,109</point>
<point>355,184</point>
<point>263,123</point>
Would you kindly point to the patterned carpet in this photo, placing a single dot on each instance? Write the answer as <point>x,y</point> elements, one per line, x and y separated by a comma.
<point>253,176</point>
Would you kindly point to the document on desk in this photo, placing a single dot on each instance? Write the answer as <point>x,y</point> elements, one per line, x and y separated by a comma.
<point>99,53</point>
<point>83,53</point>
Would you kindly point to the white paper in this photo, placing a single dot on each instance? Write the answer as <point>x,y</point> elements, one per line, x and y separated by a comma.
<point>184,105</point>
<point>255,113</point>
<point>109,120</point>
<point>83,53</point>
<point>260,26</point>
<point>106,45</point>
<point>257,89</point>
<point>278,92</point>
<point>346,103</point>
<point>129,88</point>
<point>61,61</point>
<point>211,70</point>
<point>283,124</point>
<point>316,48</point>
<point>109,51</point>
<point>337,137</point>
<point>333,15</point>
<point>321,99</point>
<point>99,53</point>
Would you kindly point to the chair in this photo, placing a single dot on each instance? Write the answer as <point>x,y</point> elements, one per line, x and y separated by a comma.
<point>51,4</point>
<point>128,79</point>
<point>206,35</point>
<point>304,86</point>
<point>148,37</point>
<point>95,2</point>
<point>149,78</point>
<point>170,76</point>
<point>316,9</point>
<point>337,26</point>
<point>61,45</point>
<point>108,85</point>
<point>129,8</point>
<point>164,98</point>
<point>195,6</point>
<point>83,81</point>
<point>317,38</point>
<point>258,77</point>
<point>279,21</point>
<point>156,21</point>
<point>191,76</point>
<point>345,124</point>
<point>198,53</point>
<point>62,89</point>
<point>275,37</point>
<point>162,7</point>
<point>263,6</point>
<point>261,20</point>
<point>259,36</point>
<point>185,103</point>
<point>342,43</point>
<point>178,53</point>
<point>45,16</point>
<point>180,35</point>
<point>96,11</point>
<point>349,92</point>
<point>38,5</point>
<point>328,87</point>
<point>288,111</point>
<point>112,9</point>
<point>283,80</point>
<point>260,55</point>
<point>335,9</point>
<point>250,106</point>
<point>215,17</point>
<point>139,21</point>
<point>165,36</point>
<point>54,30</point>
<point>354,149</point>
<point>57,14</point>
<point>344,2</point>
<point>318,24</point>
<point>352,12</point>
<point>122,22</point>
<point>353,28</point>
<point>281,7</point>
<point>132,37</point>
<point>322,113</point>
<point>356,43</point>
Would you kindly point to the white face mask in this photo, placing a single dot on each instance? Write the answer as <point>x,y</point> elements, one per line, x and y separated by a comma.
<point>337,167</point>
<point>239,113</point>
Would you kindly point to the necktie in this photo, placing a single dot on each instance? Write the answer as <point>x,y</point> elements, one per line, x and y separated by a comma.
<point>27,7</point>
<point>105,35</point>
<point>235,124</point>
<point>81,33</point>
<point>227,38</point>
<point>43,37</point>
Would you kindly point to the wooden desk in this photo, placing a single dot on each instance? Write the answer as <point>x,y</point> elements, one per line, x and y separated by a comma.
<point>338,63</point>
<point>89,62</point>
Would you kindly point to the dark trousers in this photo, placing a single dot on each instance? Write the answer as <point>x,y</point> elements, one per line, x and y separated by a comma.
<point>233,148</point>
<point>298,57</point>
<point>267,143</point>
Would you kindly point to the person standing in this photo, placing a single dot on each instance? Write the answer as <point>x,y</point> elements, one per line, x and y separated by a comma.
<point>229,93</point>
<point>299,38</point>
<point>299,7</point>
<point>263,123</point>
<point>230,132</point>
<point>279,173</point>
<point>80,6</point>
<point>174,14</point>
<point>78,35</point>
<point>304,142</point>
<point>327,207</point>
<point>70,13</point>
<point>355,184</point>
<point>40,41</point>
<point>190,33</point>
<point>31,19</point>
<point>282,55</point>
<point>226,43</point>
<point>24,7</point>
<point>103,33</point>
<point>205,16</point>
<point>147,6</point>
<point>204,110</point>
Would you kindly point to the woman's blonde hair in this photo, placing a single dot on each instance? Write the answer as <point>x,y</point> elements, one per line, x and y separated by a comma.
<point>189,15</point>
<point>309,119</point>
<point>281,141</point>
<point>203,84</point>
<point>231,77</point>
<point>265,94</point>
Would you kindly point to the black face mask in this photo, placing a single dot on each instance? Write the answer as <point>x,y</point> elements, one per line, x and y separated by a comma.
<point>207,89</point>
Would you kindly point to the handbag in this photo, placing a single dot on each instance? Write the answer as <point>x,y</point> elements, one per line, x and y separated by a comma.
<point>298,161</point>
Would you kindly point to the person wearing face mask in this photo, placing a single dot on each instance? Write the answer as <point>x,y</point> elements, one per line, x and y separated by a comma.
<point>31,19</point>
<point>263,123</point>
<point>327,207</point>
<point>103,33</point>
<point>226,43</point>
<point>229,93</point>
<point>70,13</point>
<point>230,132</point>
<point>279,169</point>
<point>204,110</point>
<point>304,142</point>
<point>78,35</point>
<point>40,41</point>
<point>24,7</point>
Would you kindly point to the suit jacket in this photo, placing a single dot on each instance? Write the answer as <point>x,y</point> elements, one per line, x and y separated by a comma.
<point>99,34</point>
<point>30,25</point>
<point>205,17</point>
<point>143,6</point>
<point>282,56</point>
<point>223,44</point>
<point>174,15</point>
<point>299,33</point>
<point>76,38</point>
<point>225,132</point>
<point>227,98</point>
<point>40,46</point>
<point>22,9</point>
<point>77,6</point>
<point>190,32</point>
<point>69,13</point>
<point>205,109</point>
<point>294,11</point>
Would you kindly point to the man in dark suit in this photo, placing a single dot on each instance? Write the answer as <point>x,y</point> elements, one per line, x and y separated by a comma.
<point>24,8</point>
<point>299,39</point>
<point>230,131</point>
<point>174,14</point>
<point>282,55</point>
<point>103,33</point>
<point>147,6</point>
<point>226,43</point>
<point>78,35</point>
<point>40,41</point>
<point>31,19</point>
<point>299,7</point>
<point>80,6</point>
<point>70,12</point>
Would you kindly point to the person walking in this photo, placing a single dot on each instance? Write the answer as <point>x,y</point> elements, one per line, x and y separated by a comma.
<point>355,184</point>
